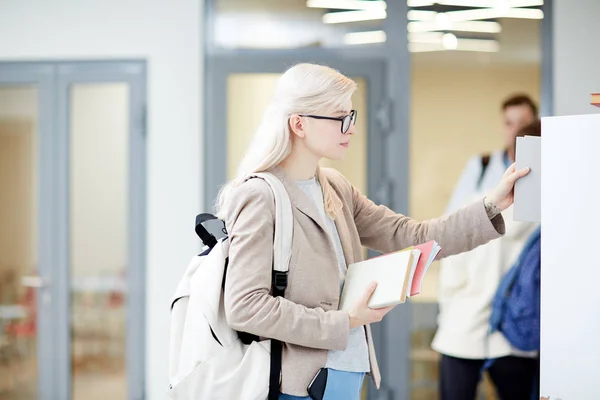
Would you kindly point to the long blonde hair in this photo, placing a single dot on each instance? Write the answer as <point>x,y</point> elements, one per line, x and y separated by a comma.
<point>302,89</point>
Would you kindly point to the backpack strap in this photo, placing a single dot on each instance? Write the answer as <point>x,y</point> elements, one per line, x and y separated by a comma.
<point>284,229</point>
<point>284,226</point>
<point>207,238</point>
<point>485,161</point>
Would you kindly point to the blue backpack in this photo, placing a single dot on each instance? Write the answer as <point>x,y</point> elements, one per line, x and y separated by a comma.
<point>516,305</point>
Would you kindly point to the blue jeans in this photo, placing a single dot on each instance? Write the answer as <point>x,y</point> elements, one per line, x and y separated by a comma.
<point>341,385</point>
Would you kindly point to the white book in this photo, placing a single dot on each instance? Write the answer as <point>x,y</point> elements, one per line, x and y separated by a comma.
<point>528,189</point>
<point>391,272</point>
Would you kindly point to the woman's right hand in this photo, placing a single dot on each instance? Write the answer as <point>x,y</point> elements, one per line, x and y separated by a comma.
<point>361,314</point>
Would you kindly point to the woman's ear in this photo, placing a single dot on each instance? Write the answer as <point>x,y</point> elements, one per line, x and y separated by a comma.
<point>297,126</point>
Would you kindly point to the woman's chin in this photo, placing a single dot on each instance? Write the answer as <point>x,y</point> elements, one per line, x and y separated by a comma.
<point>337,155</point>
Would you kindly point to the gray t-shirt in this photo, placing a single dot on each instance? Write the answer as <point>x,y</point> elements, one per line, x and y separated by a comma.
<point>356,356</point>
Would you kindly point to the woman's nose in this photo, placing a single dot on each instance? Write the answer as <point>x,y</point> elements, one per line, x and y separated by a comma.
<point>351,130</point>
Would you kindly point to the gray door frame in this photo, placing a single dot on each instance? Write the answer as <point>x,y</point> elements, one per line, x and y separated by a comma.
<point>134,74</point>
<point>547,73</point>
<point>53,80</point>
<point>382,173</point>
<point>387,179</point>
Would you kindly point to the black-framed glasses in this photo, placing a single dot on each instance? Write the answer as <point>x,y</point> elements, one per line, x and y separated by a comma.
<point>345,120</point>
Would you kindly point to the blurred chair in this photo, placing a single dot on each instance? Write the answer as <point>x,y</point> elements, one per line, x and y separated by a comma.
<point>23,331</point>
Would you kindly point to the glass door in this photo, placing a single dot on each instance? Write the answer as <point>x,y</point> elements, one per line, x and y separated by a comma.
<point>26,334</point>
<point>18,241</point>
<point>368,45</point>
<point>98,136</point>
<point>239,89</point>
<point>101,140</point>
<point>72,212</point>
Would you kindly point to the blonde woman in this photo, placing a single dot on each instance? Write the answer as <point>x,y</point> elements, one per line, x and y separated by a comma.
<point>309,118</point>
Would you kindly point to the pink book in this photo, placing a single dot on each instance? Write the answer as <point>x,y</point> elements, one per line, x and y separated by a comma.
<point>429,251</point>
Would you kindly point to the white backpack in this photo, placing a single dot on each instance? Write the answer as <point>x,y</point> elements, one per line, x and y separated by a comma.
<point>208,359</point>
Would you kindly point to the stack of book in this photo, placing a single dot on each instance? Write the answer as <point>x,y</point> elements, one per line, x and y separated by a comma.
<point>399,275</point>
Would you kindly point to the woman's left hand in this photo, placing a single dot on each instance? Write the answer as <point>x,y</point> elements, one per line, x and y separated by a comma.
<point>502,196</point>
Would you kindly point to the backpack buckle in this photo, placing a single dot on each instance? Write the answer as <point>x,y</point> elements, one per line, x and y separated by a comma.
<point>280,282</point>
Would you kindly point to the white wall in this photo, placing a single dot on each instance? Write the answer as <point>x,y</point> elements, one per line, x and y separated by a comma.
<point>169,36</point>
<point>576,56</point>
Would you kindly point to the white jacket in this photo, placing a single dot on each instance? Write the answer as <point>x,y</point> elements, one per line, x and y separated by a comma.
<point>468,281</point>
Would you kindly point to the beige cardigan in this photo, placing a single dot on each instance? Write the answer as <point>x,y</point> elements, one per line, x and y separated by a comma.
<point>307,320</point>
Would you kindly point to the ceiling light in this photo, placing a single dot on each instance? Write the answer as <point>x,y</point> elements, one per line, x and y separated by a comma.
<point>467,3</point>
<point>368,37</point>
<point>492,13</point>
<point>464,26</point>
<point>449,41</point>
<point>347,4</point>
<point>502,6</point>
<point>419,3</point>
<point>353,16</point>
<point>526,3</point>
<point>443,20</point>
<point>446,18</point>
<point>476,3</point>
<point>484,46</point>
<point>471,15</point>
<point>436,41</point>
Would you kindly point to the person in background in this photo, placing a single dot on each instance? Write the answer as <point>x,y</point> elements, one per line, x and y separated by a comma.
<point>468,282</point>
